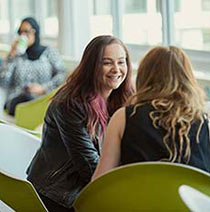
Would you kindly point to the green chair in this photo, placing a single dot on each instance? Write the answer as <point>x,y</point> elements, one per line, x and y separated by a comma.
<point>19,194</point>
<point>31,114</point>
<point>146,186</point>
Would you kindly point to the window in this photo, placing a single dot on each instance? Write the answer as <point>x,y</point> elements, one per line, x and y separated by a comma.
<point>192,26</point>
<point>176,5</point>
<point>11,14</point>
<point>135,6</point>
<point>206,38</point>
<point>99,8</point>
<point>51,19</point>
<point>142,25</point>
<point>23,9</point>
<point>101,18</point>
<point>205,5</point>
<point>4,14</point>
<point>139,23</point>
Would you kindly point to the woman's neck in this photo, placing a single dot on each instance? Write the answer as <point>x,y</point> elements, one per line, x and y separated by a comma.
<point>106,94</point>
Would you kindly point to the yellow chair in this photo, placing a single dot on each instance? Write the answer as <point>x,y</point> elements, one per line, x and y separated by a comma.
<point>19,194</point>
<point>31,114</point>
<point>146,186</point>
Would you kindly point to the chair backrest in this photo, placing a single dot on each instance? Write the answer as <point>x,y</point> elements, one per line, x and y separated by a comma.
<point>3,121</point>
<point>195,200</point>
<point>146,186</point>
<point>33,132</point>
<point>19,194</point>
<point>31,114</point>
<point>17,148</point>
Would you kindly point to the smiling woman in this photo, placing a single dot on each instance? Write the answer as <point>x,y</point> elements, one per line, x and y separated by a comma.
<point>114,68</point>
<point>76,120</point>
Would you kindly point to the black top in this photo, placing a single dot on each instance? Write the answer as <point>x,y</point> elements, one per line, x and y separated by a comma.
<point>143,142</point>
<point>67,157</point>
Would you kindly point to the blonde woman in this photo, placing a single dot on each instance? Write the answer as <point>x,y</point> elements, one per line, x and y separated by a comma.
<point>164,120</point>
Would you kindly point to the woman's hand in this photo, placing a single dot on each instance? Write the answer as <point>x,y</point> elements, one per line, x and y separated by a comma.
<point>35,88</point>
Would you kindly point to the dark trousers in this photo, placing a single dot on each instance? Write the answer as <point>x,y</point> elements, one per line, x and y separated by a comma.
<point>11,105</point>
<point>53,206</point>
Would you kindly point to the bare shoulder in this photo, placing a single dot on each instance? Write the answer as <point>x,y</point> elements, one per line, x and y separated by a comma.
<point>120,113</point>
<point>117,121</point>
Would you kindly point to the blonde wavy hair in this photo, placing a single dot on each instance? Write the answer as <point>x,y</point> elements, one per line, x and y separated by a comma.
<point>165,80</point>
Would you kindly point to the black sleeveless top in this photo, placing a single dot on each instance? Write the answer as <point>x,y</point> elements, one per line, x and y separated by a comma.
<point>143,142</point>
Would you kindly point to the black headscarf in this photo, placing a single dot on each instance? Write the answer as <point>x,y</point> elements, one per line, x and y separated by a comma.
<point>33,52</point>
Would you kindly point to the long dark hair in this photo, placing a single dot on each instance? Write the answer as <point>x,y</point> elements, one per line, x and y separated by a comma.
<point>84,84</point>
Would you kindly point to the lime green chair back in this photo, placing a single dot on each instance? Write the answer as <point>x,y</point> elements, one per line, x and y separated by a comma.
<point>19,194</point>
<point>148,186</point>
<point>31,114</point>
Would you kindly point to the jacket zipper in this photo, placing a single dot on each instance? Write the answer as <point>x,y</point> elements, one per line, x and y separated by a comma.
<point>55,173</point>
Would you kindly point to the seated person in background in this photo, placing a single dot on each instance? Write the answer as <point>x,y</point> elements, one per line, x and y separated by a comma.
<point>164,120</point>
<point>31,74</point>
<point>76,119</point>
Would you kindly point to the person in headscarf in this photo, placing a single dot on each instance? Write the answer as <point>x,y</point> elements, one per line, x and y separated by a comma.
<point>30,74</point>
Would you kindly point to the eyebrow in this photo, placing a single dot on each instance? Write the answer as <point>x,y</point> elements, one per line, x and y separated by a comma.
<point>108,58</point>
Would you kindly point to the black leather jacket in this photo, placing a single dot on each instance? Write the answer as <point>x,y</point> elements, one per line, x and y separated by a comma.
<point>67,157</point>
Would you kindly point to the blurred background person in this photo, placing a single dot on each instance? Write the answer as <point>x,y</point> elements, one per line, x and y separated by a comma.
<point>165,120</point>
<point>30,73</point>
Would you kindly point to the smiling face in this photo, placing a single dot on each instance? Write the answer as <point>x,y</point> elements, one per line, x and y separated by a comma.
<point>114,68</point>
<point>26,29</point>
